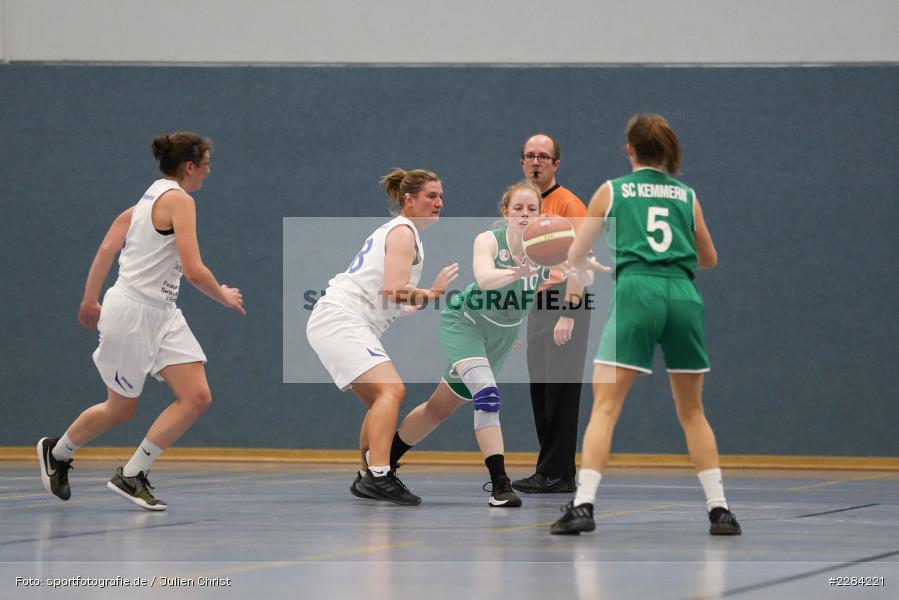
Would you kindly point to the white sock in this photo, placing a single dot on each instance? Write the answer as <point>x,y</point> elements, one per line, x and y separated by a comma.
<point>713,486</point>
<point>587,482</point>
<point>64,448</point>
<point>144,457</point>
<point>379,471</point>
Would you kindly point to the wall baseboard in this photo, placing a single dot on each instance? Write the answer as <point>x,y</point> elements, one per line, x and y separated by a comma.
<point>513,459</point>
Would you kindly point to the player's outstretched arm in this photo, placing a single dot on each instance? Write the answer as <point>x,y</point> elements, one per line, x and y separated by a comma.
<point>398,258</point>
<point>418,297</point>
<point>589,232</point>
<point>113,241</point>
<point>184,222</point>
<point>486,274</point>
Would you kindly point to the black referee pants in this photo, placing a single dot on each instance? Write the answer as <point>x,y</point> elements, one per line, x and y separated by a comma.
<point>556,374</point>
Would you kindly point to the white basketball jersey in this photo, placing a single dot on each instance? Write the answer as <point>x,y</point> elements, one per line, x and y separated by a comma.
<point>360,288</point>
<point>149,263</point>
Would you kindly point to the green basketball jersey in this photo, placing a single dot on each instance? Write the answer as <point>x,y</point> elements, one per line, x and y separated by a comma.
<point>505,306</point>
<point>654,222</point>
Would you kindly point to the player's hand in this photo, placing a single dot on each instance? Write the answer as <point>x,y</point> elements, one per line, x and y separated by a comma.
<point>408,309</point>
<point>233,299</point>
<point>521,269</point>
<point>518,344</point>
<point>562,331</point>
<point>585,271</point>
<point>445,277</point>
<point>89,314</point>
<point>584,278</point>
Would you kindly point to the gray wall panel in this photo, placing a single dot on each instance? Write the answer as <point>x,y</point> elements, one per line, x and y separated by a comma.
<point>795,168</point>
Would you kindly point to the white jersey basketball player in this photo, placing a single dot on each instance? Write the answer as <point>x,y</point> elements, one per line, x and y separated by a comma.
<point>141,329</point>
<point>142,332</point>
<point>345,326</point>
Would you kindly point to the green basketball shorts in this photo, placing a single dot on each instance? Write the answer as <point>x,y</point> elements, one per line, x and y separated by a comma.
<point>465,336</point>
<point>647,310</point>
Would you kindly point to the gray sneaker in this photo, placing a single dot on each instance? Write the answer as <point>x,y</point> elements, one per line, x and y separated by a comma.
<point>136,489</point>
<point>54,473</point>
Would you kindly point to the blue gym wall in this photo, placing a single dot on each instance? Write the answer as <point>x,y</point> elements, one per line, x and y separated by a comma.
<point>796,169</point>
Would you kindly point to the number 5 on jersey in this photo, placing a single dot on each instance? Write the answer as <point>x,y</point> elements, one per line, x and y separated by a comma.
<point>655,223</point>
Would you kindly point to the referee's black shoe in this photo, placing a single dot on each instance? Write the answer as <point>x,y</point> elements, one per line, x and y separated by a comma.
<point>539,483</point>
<point>576,519</point>
<point>54,473</point>
<point>723,522</point>
<point>388,488</point>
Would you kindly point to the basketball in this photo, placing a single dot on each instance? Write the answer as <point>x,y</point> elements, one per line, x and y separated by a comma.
<point>546,240</point>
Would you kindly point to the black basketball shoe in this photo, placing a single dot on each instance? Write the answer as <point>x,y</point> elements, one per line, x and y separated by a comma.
<point>539,483</point>
<point>354,488</point>
<point>388,488</point>
<point>502,494</point>
<point>136,489</point>
<point>575,520</point>
<point>723,522</point>
<point>54,473</point>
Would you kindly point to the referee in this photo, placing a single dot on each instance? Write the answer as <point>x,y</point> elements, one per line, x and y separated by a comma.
<point>557,338</point>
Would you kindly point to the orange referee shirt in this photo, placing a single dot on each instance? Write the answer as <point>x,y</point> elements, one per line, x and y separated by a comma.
<point>561,201</point>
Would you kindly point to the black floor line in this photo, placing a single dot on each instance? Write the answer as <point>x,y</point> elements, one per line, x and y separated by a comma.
<point>828,569</point>
<point>97,532</point>
<point>839,510</point>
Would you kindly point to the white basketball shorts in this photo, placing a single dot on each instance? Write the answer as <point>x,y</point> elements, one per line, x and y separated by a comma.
<point>344,342</point>
<point>139,339</point>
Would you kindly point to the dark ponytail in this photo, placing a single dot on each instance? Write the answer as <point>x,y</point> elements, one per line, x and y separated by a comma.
<point>173,150</point>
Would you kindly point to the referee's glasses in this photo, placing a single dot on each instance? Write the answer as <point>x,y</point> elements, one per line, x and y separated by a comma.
<point>543,158</point>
